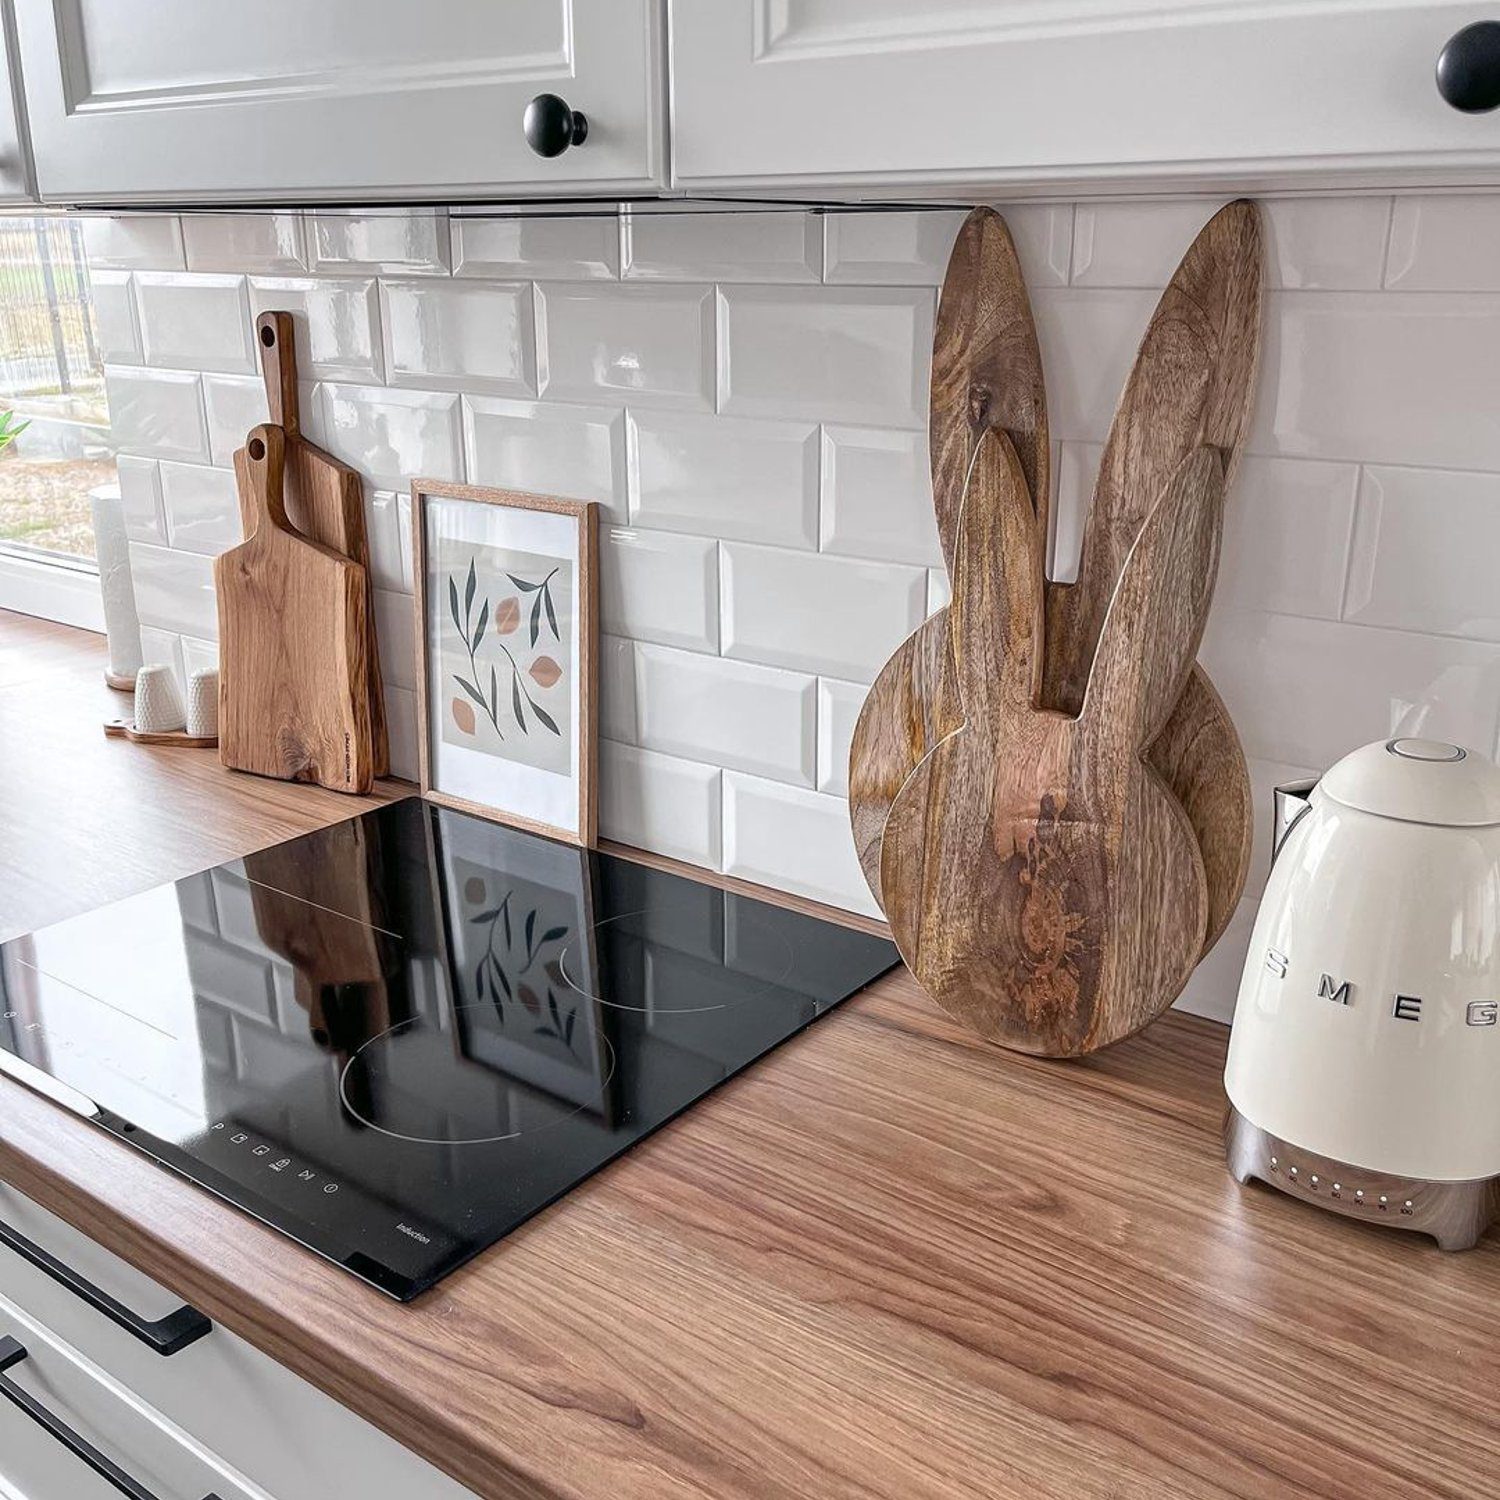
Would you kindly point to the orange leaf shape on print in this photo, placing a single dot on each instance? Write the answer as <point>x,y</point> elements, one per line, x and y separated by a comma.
<point>463,715</point>
<point>507,616</point>
<point>544,671</point>
<point>530,1000</point>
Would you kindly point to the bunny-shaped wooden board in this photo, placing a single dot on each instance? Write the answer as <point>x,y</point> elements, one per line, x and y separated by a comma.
<point>1041,880</point>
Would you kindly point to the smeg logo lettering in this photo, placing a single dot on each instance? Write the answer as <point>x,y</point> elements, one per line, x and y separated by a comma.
<point>1403,1007</point>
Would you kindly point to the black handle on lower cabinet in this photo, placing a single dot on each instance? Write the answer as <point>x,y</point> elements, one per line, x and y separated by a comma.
<point>550,126</point>
<point>166,1335</point>
<point>1468,68</point>
<point>11,1354</point>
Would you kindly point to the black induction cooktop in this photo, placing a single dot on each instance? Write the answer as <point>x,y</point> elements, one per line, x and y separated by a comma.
<point>397,1038</point>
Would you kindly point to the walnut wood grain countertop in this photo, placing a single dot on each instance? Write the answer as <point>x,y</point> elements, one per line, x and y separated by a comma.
<point>886,1261</point>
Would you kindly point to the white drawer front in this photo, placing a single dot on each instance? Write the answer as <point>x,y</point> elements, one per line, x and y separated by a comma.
<point>251,1412</point>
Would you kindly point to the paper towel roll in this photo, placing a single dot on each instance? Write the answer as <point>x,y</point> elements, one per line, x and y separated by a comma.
<point>122,630</point>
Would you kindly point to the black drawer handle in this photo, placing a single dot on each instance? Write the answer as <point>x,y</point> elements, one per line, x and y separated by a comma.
<point>166,1335</point>
<point>11,1354</point>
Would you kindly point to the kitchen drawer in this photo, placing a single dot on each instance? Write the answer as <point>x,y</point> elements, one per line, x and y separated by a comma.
<point>250,1412</point>
<point>101,1410</point>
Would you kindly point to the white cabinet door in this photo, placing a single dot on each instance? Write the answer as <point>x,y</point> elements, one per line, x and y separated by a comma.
<point>15,160</point>
<point>900,96</point>
<point>220,100</point>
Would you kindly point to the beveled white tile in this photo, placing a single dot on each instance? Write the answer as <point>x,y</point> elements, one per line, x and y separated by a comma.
<point>133,242</point>
<point>411,242</point>
<point>839,704</point>
<point>793,839</point>
<point>719,476</point>
<point>174,591</point>
<point>1426,550</point>
<point>939,590</point>
<point>816,612</point>
<point>156,413</point>
<point>1215,982</point>
<point>1077,471</point>
<point>234,404</point>
<point>617,689</point>
<point>337,323</point>
<point>655,802</point>
<point>1381,377</point>
<point>1309,691</point>
<point>888,248</point>
<point>390,436</point>
<point>1089,338</point>
<point>387,523</point>
<point>1286,536</point>
<point>726,713</point>
<point>401,729</point>
<point>1310,243</point>
<point>396,635</point>
<point>451,335</point>
<point>1444,243</point>
<point>654,586</point>
<point>164,648</point>
<point>270,244</point>
<point>1265,777</point>
<point>198,656</point>
<point>116,326</point>
<point>140,499</point>
<point>862,353</point>
<point>650,344</point>
<point>698,245</point>
<point>538,247</point>
<point>1043,233</point>
<point>202,507</point>
<point>195,322</point>
<point>549,448</point>
<point>877,495</point>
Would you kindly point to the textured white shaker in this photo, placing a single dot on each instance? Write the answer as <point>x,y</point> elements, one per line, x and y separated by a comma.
<point>122,629</point>
<point>203,702</point>
<point>158,704</point>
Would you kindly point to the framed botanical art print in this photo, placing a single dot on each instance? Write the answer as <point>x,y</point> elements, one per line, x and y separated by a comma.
<point>506,628</point>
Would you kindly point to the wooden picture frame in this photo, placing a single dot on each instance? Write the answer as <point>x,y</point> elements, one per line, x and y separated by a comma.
<point>491,727</point>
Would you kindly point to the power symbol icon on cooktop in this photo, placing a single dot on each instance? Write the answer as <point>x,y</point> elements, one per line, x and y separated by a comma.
<point>331,1187</point>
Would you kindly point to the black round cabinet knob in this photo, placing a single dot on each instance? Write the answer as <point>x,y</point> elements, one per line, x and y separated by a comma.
<point>1468,69</point>
<point>551,127</point>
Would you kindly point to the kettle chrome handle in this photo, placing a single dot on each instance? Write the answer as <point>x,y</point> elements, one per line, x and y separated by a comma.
<point>1292,802</point>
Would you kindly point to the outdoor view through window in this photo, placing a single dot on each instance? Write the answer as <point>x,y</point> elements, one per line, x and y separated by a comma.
<point>52,380</point>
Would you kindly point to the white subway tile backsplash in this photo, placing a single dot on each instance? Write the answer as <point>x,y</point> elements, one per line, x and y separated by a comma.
<point>939,590</point>
<point>116,326</point>
<point>665,245</point>
<point>839,704</point>
<point>456,335</point>
<point>795,839</point>
<point>140,498</point>
<point>1265,777</point>
<point>1445,244</point>
<point>1427,552</point>
<point>156,413</point>
<point>617,689</point>
<point>549,448</point>
<point>133,242</point>
<point>726,713</point>
<point>337,323</point>
<point>877,495</point>
<point>718,476</point>
<point>889,248</point>
<point>202,507</point>
<point>390,436</point>
<point>195,322</point>
<point>174,590</point>
<point>1309,691</point>
<point>651,344</point>
<point>538,247</point>
<point>234,404</point>
<point>862,353</point>
<point>816,612</point>
<point>657,587</point>
<point>388,527</point>
<point>410,242</point>
<point>270,244</point>
<point>198,656</point>
<point>395,631</point>
<point>1043,234</point>
<point>1215,982</point>
<point>657,802</point>
<point>163,648</point>
<point>1089,338</point>
<point>401,729</point>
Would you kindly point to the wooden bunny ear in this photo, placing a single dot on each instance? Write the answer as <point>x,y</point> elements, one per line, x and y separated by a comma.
<point>1158,612</point>
<point>995,619</point>
<point>986,371</point>
<point>1193,383</point>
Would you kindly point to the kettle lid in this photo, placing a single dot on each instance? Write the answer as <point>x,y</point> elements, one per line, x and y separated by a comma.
<point>1418,781</point>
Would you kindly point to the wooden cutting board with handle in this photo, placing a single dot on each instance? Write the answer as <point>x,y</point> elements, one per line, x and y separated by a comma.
<point>324,498</point>
<point>294,681</point>
<point>1041,880</point>
<point>1193,382</point>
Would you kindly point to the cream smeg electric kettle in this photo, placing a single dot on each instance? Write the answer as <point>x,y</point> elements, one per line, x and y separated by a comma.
<point>1364,1064</point>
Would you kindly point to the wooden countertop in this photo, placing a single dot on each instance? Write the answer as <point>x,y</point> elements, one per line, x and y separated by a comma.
<point>887,1261</point>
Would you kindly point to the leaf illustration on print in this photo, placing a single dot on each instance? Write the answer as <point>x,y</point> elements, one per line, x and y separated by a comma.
<point>463,715</point>
<point>508,616</point>
<point>471,636</point>
<point>545,672</point>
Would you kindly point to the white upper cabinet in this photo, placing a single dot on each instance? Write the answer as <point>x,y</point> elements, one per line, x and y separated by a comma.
<point>926,95</point>
<point>194,100</point>
<point>15,161</point>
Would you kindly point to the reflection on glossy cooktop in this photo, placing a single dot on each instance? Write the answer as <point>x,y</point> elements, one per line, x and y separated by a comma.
<point>399,1037</point>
